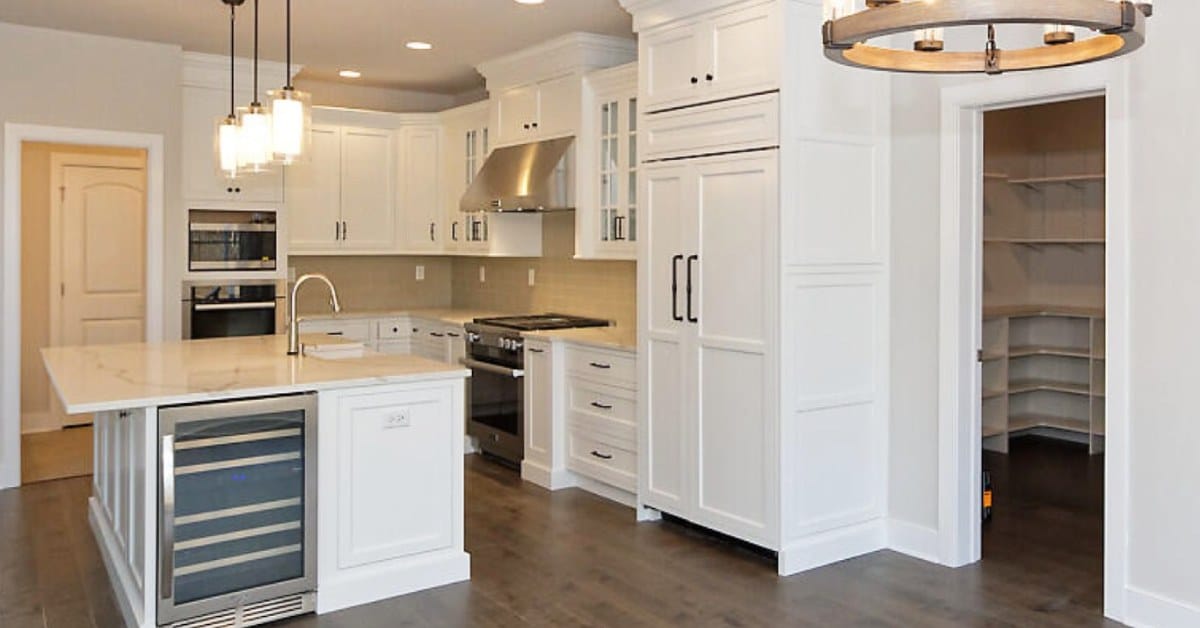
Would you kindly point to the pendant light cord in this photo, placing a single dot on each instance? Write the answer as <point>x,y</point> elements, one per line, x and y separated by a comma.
<point>254,97</point>
<point>289,44</point>
<point>232,56</point>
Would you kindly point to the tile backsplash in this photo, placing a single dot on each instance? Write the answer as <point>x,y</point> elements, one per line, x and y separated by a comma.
<point>375,283</point>
<point>601,289</point>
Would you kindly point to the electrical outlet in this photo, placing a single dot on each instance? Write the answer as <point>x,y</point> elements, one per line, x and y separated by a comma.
<point>532,277</point>
<point>420,273</point>
<point>399,419</point>
<point>483,274</point>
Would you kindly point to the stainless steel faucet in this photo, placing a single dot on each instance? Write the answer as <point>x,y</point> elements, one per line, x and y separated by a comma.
<point>294,320</point>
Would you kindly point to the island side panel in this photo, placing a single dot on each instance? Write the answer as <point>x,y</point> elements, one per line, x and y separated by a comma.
<point>390,492</point>
<point>123,508</point>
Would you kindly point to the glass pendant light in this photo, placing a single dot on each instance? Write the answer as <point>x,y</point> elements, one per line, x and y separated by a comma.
<point>254,149</point>
<point>291,113</point>
<point>228,136</point>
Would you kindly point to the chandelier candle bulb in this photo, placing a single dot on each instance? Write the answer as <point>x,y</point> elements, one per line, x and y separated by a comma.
<point>929,40</point>
<point>1057,34</point>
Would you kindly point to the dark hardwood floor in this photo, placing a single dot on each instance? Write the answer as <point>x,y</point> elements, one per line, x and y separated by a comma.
<point>572,559</point>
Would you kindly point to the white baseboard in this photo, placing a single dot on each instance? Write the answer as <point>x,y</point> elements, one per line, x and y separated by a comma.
<point>606,491</point>
<point>833,546</point>
<point>1143,608</point>
<point>545,478</point>
<point>339,592</point>
<point>914,540</point>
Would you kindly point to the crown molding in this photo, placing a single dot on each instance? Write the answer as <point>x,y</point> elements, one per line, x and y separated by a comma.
<point>649,14</point>
<point>208,70</point>
<point>571,53</point>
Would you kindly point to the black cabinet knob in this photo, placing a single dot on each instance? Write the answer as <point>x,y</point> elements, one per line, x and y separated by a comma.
<point>526,127</point>
<point>237,190</point>
<point>695,80</point>
<point>535,124</point>
<point>229,190</point>
<point>709,77</point>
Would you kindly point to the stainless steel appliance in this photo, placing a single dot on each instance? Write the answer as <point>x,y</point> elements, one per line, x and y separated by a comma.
<point>227,240</point>
<point>496,357</point>
<point>533,177</point>
<point>222,310</point>
<point>237,510</point>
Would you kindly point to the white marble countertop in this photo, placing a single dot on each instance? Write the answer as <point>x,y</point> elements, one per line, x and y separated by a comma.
<point>451,316</point>
<point>120,377</point>
<point>616,337</point>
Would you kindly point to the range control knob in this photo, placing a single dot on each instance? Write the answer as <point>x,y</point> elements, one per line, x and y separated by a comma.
<point>472,337</point>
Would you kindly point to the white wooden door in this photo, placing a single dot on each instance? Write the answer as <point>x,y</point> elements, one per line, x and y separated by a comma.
<point>731,317</point>
<point>739,53</point>
<point>558,107</point>
<point>314,194</point>
<point>516,111</point>
<point>669,62</point>
<point>367,198</point>
<point>420,203</point>
<point>102,247</point>
<point>665,346</point>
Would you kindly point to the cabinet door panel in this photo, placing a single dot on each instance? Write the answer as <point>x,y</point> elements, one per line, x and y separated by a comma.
<point>539,404</point>
<point>741,53</point>
<point>668,65</point>
<point>384,511</point>
<point>202,108</point>
<point>517,108</point>
<point>664,355</point>
<point>367,196</point>
<point>314,190</point>
<point>558,106</point>
<point>736,204</point>
<point>420,205</point>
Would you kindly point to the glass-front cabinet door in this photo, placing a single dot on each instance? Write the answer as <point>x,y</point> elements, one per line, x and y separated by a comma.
<point>614,221</point>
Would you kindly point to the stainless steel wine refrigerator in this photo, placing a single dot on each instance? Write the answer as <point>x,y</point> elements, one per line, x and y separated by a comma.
<point>237,511</point>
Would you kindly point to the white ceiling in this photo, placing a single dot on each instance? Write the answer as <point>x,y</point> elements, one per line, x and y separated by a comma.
<point>329,35</point>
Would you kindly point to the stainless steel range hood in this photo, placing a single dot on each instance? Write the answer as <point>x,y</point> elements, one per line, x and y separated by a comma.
<point>530,178</point>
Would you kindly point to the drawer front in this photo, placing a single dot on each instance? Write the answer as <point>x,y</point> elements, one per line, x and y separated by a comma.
<point>396,347</point>
<point>394,328</point>
<point>351,330</point>
<point>606,367</point>
<point>603,404</point>
<point>718,128</point>
<point>592,456</point>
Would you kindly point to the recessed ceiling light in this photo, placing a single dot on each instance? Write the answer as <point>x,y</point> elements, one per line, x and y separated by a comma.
<point>350,74</point>
<point>530,1</point>
<point>419,45</point>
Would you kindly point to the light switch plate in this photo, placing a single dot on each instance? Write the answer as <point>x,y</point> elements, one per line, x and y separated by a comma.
<point>401,418</point>
<point>420,273</point>
<point>532,277</point>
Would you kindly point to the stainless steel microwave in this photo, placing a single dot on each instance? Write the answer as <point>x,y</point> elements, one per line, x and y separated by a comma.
<point>225,240</point>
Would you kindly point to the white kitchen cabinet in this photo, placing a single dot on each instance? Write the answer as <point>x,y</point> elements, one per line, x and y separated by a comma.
<point>368,218</point>
<point>600,398</point>
<point>436,340</point>
<point>607,212</point>
<point>467,143</point>
<point>420,202</point>
<point>708,285</point>
<point>341,199</point>
<point>545,459</point>
<point>727,54</point>
<point>350,329</point>
<point>537,111</point>
<point>202,181</point>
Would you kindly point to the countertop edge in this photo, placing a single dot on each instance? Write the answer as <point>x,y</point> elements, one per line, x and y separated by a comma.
<point>556,336</point>
<point>247,393</point>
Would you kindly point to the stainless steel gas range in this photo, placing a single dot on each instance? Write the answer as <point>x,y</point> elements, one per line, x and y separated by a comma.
<point>496,357</point>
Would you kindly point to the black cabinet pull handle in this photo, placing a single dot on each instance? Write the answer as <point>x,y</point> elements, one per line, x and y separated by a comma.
<point>437,335</point>
<point>708,77</point>
<point>454,231</point>
<point>336,333</point>
<point>345,230</point>
<point>601,406</point>
<point>675,288</point>
<point>452,335</point>
<point>691,318</point>
<point>532,350</point>
<point>337,227</point>
<point>601,366</point>
<point>432,227</point>
<point>535,125</point>
<point>602,456</point>
<point>695,80</point>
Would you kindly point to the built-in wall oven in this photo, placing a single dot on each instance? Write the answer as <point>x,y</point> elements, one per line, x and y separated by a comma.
<point>225,310</point>
<point>496,357</point>
<point>237,511</point>
<point>232,240</point>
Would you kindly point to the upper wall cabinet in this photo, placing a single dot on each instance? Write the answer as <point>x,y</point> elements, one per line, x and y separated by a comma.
<point>420,202</point>
<point>723,55</point>
<point>341,199</point>
<point>467,138</point>
<point>540,110</point>
<point>202,181</point>
<point>606,219</point>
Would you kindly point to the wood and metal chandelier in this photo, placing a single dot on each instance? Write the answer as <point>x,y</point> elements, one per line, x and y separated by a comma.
<point>1075,32</point>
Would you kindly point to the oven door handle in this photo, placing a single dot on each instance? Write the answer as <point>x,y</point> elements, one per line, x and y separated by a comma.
<point>216,307</point>
<point>492,368</point>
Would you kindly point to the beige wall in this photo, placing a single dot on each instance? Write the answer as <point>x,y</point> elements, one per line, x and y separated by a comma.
<point>35,271</point>
<point>375,283</point>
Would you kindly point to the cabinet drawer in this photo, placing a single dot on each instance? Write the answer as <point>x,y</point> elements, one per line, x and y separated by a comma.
<point>350,330</point>
<point>396,347</point>
<point>718,128</point>
<point>594,457</point>
<point>606,367</point>
<point>394,329</point>
<point>604,403</point>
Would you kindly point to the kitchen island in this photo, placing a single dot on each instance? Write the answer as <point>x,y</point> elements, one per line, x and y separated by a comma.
<point>384,500</point>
